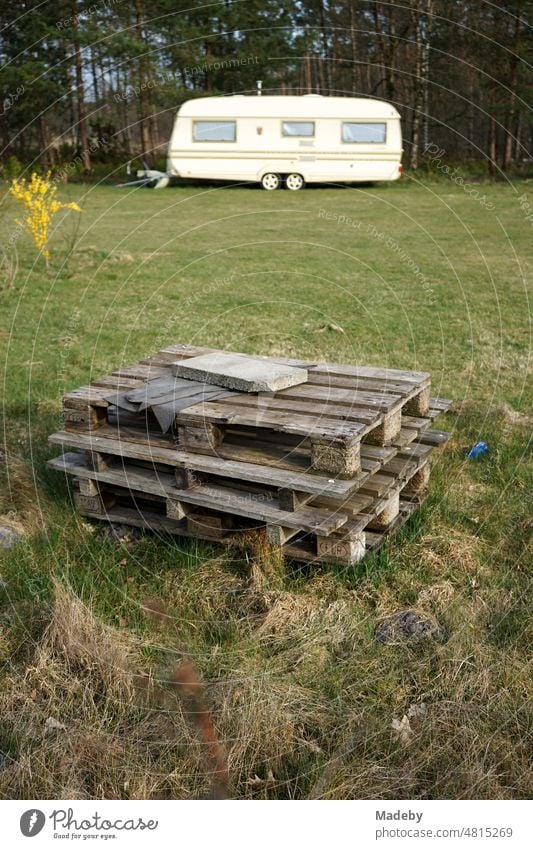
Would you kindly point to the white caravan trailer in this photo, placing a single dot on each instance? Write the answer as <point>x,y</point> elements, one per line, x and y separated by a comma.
<point>290,140</point>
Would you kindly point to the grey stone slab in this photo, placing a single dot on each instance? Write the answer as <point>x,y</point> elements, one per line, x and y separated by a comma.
<point>8,537</point>
<point>244,374</point>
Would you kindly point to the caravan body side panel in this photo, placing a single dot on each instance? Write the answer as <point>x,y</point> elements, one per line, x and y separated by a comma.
<point>260,145</point>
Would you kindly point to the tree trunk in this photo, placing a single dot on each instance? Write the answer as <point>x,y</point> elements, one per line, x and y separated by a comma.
<point>124,111</point>
<point>425,73</point>
<point>354,49</point>
<point>142,106</point>
<point>154,134</point>
<point>491,144</point>
<point>390,57</point>
<point>47,152</point>
<point>518,143</point>
<point>80,92</point>
<point>308,78</point>
<point>208,76</point>
<point>510,118</point>
<point>326,70</point>
<point>418,99</point>
<point>96,88</point>
<point>387,45</point>
<point>423,20</point>
<point>102,74</point>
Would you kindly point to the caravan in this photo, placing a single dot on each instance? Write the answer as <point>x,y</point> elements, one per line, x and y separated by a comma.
<point>286,140</point>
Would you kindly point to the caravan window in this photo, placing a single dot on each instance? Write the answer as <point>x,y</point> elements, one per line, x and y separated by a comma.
<point>297,128</point>
<point>215,131</point>
<point>364,133</point>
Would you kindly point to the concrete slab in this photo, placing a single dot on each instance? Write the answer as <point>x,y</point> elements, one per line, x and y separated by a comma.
<point>241,373</point>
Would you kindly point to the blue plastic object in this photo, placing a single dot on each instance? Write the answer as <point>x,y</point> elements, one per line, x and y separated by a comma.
<point>478,450</point>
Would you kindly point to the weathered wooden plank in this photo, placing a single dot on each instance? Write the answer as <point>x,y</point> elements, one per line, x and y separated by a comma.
<point>439,405</point>
<point>366,418</point>
<point>231,468</point>
<point>220,498</point>
<point>206,436</point>
<point>352,505</point>
<point>83,397</point>
<point>224,413</point>
<point>380,453</point>
<point>145,519</point>
<point>117,384</point>
<point>386,375</point>
<point>385,403</point>
<point>363,384</point>
<point>139,371</point>
<point>401,468</point>
<point>207,526</point>
<point>434,437</point>
<point>415,449</point>
<point>405,437</point>
<point>89,418</point>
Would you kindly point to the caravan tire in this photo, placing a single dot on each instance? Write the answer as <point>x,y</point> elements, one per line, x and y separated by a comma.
<point>270,181</point>
<point>294,182</point>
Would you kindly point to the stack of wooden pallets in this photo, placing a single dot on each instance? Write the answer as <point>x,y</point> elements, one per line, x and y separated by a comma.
<point>327,468</point>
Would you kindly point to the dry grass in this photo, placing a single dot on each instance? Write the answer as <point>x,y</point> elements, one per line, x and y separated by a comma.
<point>18,507</point>
<point>305,707</point>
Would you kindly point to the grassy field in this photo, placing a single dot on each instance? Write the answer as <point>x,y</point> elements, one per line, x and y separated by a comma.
<point>412,275</point>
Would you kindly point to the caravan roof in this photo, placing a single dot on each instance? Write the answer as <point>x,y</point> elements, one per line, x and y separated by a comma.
<point>288,106</point>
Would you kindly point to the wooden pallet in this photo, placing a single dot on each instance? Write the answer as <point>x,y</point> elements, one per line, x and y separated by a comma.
<point>113,488</point>
<point>326,419</point>
<point>325,469</point>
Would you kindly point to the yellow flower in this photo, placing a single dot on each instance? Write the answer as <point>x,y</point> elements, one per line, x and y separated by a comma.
<point>38,197</point>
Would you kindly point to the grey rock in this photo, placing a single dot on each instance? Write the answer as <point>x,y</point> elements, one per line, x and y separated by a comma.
<point>8,537</point>
<point>409,625</point>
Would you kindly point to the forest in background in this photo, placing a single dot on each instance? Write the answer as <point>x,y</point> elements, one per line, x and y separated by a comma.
<point>94,83</point>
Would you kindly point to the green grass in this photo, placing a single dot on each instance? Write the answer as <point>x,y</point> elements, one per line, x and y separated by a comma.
<point>423,277</point>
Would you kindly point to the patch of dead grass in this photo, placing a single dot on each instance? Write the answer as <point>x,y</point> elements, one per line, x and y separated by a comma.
<point>127,735</point>
<point>91,679</point>
<point>18,503</point>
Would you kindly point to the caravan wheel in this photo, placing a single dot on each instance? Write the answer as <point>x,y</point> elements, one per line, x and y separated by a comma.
<point>270,182</point>
<point>294,182</point>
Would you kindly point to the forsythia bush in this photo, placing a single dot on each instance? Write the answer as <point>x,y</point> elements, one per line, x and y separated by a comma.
<point>37,195</point>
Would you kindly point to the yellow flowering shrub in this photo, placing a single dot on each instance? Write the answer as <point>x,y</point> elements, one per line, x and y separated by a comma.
<point>38,196</point>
